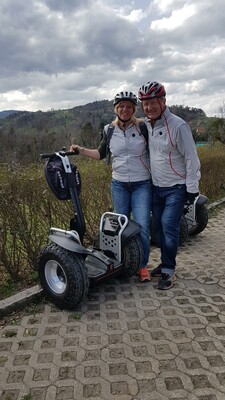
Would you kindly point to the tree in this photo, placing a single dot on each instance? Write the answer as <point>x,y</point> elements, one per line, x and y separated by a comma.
<point>88,136</point>
<point>216,129</point>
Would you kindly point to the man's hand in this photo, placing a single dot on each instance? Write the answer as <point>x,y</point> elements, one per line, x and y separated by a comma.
<point>192,196</point>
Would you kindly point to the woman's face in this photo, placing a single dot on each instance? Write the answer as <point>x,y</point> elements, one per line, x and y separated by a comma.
<point>125,110</point>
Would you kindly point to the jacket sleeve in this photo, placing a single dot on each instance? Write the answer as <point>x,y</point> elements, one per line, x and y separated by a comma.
<point>187,147</point>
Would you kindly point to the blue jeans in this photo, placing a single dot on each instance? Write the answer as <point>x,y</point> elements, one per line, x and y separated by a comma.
<point>134,198</point>
<point>167,208</point>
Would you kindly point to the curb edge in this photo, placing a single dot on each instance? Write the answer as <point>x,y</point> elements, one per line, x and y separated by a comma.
<point>19,300</point>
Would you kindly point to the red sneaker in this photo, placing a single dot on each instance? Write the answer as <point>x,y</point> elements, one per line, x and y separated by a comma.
<point>144,275</point>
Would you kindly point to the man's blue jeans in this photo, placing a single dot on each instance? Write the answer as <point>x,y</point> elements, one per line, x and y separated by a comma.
<point>167,208</point>
<point>134,198</point>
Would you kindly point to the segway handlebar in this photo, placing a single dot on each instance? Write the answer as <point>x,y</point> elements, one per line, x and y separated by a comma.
<point>61,153</point>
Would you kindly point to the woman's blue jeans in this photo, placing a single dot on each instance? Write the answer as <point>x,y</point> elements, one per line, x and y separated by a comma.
<point>167,209</point>
<point>134,198</point>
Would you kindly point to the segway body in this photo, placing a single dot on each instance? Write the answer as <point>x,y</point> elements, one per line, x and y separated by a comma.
<point>196,215</point>
<point>66,268</point>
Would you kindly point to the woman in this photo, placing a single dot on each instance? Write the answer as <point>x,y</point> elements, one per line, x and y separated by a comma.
<point>131,183</point>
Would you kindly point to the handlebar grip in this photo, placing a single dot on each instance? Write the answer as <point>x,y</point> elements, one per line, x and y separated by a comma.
<point>62,153</point>
<point>69,153</point>
<point>43,156</point>
<point>73,153</point>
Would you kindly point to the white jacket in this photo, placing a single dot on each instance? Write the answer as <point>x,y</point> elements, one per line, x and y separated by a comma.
<point>173,153</point>
<point>130,156</point>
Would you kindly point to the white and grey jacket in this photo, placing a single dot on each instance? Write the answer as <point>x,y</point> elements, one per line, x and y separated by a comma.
<point>173,154</point>
<point>130,156</point>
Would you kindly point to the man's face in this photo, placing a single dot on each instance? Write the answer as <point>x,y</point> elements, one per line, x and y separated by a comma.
<point>153,108</point>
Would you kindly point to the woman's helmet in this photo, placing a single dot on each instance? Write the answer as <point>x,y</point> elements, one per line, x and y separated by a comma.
<point>125,96</point>
<point>150,90</point>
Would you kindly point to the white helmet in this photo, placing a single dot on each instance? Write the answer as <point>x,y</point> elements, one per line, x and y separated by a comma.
<point>125,96</point>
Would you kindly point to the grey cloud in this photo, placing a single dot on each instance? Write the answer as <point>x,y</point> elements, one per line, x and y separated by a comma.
<point>68,5</point>
<point>38,43</point>
<point>72,52</point>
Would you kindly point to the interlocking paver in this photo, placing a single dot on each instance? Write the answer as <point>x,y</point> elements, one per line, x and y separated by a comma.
<point>127,340</point>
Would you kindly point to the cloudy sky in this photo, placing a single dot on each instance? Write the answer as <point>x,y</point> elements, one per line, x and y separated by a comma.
<point>59,54</point>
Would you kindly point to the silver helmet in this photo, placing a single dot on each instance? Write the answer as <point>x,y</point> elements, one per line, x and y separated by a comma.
<point>125,96</point>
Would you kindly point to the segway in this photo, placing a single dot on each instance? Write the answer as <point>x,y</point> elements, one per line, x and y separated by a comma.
<point>66,268</point>
<point>196,215</point>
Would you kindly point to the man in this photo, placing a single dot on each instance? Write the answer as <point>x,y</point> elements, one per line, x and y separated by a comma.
<point>175,170</point>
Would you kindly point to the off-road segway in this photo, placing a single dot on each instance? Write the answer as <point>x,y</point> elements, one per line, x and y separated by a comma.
<point>66,268</point>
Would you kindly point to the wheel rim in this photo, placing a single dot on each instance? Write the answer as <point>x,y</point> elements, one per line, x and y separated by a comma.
<point>55,277</point>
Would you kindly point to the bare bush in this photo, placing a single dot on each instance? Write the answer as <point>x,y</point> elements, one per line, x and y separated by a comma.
<point>212,182</point>
<point>28,208</point>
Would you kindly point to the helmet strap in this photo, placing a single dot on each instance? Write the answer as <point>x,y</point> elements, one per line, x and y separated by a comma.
<point>160,105</point>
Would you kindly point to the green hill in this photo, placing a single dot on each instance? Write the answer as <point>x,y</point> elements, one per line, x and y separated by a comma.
<point>24,135</point>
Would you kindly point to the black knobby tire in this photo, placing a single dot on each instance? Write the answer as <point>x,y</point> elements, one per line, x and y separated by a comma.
<point>63,276</point>
<point>132,256</point>
<point>183,230</point>
<point>202,220</point>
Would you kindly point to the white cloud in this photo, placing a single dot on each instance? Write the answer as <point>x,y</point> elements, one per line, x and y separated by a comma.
<point>195,86</point>
<point>135,16</point>
<point>177,18</point>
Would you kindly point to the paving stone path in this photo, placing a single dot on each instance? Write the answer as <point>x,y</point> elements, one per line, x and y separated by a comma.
<point>127,341</point>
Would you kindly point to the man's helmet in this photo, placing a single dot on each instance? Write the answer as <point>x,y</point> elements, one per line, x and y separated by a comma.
<point>125,96</point>
<point>150,90</point>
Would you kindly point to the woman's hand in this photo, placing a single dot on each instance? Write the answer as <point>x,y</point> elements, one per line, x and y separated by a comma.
<point>75,148</point>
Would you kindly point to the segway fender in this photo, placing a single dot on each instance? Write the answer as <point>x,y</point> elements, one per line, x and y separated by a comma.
<point>132,229</point>
<point>201,200</point>
<point>68,240</point>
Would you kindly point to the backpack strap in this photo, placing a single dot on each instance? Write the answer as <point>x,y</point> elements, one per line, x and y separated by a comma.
<point>144,131</point>
<point>109,134</point>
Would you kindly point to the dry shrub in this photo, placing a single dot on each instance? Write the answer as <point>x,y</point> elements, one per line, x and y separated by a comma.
<point>28,208</point>
<point>95,193</point>
<point>212,183</point>
<point>27,211</point>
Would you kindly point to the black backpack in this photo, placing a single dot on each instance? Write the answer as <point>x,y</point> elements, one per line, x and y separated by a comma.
<point>143,129</point>
<point>59,181</point>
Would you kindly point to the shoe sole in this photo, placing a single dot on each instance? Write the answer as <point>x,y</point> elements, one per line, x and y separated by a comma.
<point>155,276</point>
<point>144,280</point>
<point>169,287</point>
